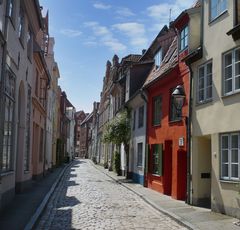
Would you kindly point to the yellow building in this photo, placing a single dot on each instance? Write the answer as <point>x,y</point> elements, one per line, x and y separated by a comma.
<point>215,162</point>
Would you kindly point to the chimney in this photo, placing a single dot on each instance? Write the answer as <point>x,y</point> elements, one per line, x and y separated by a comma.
<point>144,51</point>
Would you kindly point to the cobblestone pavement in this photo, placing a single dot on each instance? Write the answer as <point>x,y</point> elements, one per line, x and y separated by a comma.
<point>88,199</point>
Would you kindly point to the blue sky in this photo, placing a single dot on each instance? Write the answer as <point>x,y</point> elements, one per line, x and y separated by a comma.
<point>88,33</point>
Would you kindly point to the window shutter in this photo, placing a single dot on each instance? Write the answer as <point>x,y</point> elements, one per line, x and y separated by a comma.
<point>160,159</point>
<point>146,158</point>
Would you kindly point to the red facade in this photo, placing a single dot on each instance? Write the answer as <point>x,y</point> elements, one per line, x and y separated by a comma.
<point>170,135</point>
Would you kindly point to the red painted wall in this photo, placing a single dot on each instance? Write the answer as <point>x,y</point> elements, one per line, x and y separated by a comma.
<point>173,181</point>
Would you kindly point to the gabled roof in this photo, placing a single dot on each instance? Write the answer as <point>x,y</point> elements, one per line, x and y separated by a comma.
<point>88,117</point>
<point>162,31</point>
<point>168,63</point>
<point>131,58</point>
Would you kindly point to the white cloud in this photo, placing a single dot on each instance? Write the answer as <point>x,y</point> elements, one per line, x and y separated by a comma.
<point>71,33</point>
<point>134,31</point>
<point>90,43</point>
<point>105,36</point>
<point>101,6</point>
<point>161,12</point>
<point>156,27</point>
<point>124,12</point>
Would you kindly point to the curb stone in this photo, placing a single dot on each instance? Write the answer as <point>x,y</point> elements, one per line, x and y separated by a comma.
<point>145,199</point>
<point>33,220</point>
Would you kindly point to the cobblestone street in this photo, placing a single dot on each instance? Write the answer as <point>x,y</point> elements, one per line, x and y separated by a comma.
<point>87,199</point>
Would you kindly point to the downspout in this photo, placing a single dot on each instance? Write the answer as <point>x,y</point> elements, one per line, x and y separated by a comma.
<point>3,64</point>
<point>144,96</point>
<point>189,121</point>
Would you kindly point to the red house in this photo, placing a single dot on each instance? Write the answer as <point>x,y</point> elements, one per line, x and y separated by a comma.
<point>166,160</point>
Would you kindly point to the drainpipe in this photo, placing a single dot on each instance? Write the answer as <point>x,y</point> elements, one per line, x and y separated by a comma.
<point>3,64</point>
<point>144,96</point>
<point>189,121</point>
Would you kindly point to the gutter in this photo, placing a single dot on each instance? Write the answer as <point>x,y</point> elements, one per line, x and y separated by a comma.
<point>189,135</point>
<point>144,96</point>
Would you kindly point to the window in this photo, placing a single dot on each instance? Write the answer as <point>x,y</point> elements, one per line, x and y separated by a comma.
<point>41,143</point>
<point>21,24</point>
<point>157,159</point>
<point>217,7</point>
<point>28,122</point>
<point>139,154</point>
<point>184,38</point>
<point>36,83</point>
<point>43,91</point>
<point>140,116</point>
<point>157,110</point>
<point>29,44</point>
<point>231,71</point>
<point>230,156</point>
<point>158,58</point>
<point>10,8</point>
<point>175,115</point>
<point>7,147</point>
<point>237,12</point>
<point>204,87</point>
<point>134,119</point>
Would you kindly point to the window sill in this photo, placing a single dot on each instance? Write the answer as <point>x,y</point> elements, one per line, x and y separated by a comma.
<point>140,167</point>
<point>156,125</point>
<point>229,181</point>
<point>204,102</point>
<point>215,19</point>
<point>3,174</point>
<point>156,175</point>
<point>231,94</point>
<point>175,121</point>
<point>26,172</point>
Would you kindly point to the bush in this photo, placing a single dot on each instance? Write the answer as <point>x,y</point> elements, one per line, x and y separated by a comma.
<point>117,163</point>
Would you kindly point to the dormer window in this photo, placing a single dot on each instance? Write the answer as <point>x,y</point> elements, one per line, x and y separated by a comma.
<point>158,58</point>
<point>184,38</point>
<point>217,7</point>
<point>20,24</point>
<point>10,8</point>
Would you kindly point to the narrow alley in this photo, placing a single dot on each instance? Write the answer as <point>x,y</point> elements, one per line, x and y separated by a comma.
<point>87,199</point>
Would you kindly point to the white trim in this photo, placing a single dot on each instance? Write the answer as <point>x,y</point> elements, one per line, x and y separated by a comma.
<point>229,152</point>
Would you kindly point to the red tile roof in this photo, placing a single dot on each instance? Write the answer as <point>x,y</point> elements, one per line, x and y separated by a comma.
<point>169,62</point>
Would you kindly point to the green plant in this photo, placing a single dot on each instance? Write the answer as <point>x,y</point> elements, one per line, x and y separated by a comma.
<point>117,163</point>
<point>118,131</point>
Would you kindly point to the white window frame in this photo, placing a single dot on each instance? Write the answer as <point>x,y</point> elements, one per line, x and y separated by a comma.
<point>218,8</point>
<point>205,85</point>
<point>158,58</point>
<point>233,77</point>
<point>21,24</point>
<point>229,162</point>
<point>184,38</point>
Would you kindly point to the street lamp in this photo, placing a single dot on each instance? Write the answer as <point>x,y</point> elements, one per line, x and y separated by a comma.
<point>179,96</point>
